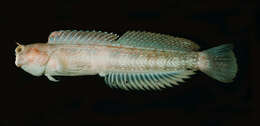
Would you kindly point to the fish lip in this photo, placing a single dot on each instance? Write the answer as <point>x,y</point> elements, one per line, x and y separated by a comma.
<point>18,65</point>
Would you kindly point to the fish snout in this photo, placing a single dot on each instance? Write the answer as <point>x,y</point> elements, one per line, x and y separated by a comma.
<point>18,64</point>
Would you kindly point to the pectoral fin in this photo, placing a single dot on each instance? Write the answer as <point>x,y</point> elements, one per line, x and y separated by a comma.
<point>51,78</point>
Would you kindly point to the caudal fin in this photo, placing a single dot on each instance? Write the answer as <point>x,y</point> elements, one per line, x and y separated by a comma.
<point>219,63</point>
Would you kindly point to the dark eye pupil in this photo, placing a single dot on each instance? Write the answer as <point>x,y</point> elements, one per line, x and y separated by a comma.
<point>19,50</point>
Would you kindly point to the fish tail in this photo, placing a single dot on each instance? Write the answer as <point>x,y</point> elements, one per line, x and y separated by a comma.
<point>219,63</point>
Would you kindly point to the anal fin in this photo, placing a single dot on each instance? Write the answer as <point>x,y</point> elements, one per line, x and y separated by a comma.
<point>146,81</point>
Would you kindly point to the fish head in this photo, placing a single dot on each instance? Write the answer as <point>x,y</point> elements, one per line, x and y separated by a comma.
<point>31,58</point>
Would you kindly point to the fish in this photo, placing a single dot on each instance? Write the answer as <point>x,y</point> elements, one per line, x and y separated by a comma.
<point>138,60</point>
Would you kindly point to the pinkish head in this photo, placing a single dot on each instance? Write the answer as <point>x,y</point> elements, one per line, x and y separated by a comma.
<point>31,58</point>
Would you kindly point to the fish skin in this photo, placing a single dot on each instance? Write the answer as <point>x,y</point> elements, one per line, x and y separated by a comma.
<point>94,59</point>
<point>74,59</point>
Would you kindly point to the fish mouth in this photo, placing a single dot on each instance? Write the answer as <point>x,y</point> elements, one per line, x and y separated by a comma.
<point>18,65</point>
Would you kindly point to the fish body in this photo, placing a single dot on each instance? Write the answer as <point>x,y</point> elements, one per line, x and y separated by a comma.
<point>137,60</point>
<point>79,60</point>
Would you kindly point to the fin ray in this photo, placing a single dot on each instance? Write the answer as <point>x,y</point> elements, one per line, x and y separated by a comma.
<point>156,41</point>
<point>146,81</point>
<point>81,37</point>
<point>136,39</point>
<point>219,63</point>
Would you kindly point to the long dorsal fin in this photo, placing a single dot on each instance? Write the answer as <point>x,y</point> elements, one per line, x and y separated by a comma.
<point>156,41</point>
<point>146,81</point>
<point>136,39</point>
<point>81,37</point>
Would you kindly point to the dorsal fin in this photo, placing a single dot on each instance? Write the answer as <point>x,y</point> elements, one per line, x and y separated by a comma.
<point>156,41</point>
<point>136,39</point>
<point>82,37</point>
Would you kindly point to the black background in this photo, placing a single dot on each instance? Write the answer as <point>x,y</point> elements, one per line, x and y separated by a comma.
<point>86,100</point>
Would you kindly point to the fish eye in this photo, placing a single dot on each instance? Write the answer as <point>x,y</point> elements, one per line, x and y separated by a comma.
<point>19,49</point>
